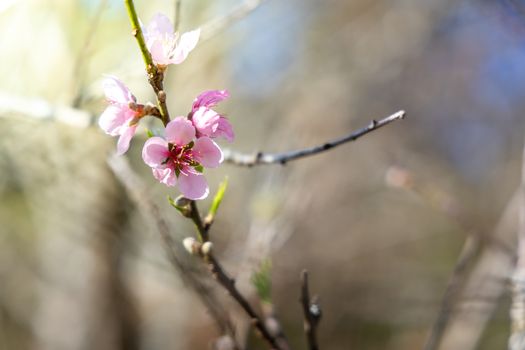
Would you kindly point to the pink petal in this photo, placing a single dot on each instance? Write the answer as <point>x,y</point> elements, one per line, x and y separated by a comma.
<point>125,139</point>
<point>158,53</point>
<point>225,129</point>
<point>159,26</point>
<point>210,98</point>
<point>155,151</point>
<point>206,121</point>
<point>193,186</point>
<point>186,44</point>
<point>207,152</point>
<point>180,131</point>
<point>112,119</point>
<point>116,91</point>
<point>166,176</point>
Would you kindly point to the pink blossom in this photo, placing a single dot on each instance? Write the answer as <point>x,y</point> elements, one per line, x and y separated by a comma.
<point>165,45</point>
<point>118,119</point>
<point>206,120</point>
<point>180,158</point>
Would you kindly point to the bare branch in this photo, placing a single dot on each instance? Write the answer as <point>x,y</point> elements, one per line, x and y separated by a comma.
<point>237,13</point>
<point>261,158</point>
<point>470,247</point>
<point>228,283</point>
<point>311,312</point>
<point>140,196</point>
<point>176,20</point>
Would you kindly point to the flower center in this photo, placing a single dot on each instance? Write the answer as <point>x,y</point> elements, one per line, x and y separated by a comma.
<point>181,157</point>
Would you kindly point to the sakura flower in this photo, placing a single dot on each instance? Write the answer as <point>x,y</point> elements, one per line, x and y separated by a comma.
<point>119,119</point>
<point>180,159</point>
<point>206,120</point>
<point>165,45</point>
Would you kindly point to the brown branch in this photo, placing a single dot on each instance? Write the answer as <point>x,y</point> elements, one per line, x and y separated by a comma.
<point>261,158</point>
<point>227,282</point>
<point>311,312</point>
<point>469,250</point>
<point>140,196</point>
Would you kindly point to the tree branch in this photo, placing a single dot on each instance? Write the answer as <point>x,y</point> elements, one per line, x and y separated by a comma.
<point>311,312</point>
<point>227,282</point>
<point>140,196</point>
<point>261,158</point>
<point>217,25</point>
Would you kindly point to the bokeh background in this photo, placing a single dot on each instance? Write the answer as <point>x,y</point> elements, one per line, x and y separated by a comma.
<point>379,223</point>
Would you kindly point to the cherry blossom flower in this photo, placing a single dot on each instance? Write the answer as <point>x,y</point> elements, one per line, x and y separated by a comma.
<point>119,119</point>
<point>206,120</point>
<point>165,45</point>
<point>180,158</point>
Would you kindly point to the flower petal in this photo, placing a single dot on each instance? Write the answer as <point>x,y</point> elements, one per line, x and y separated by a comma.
<point>180,131</point>
<point>166,176</point>
<point>210,98</point>
<point>155,151</point>
<point>112,119</point>
<point>125,139</point>
<point>224,129</point>
<point>206,121</point>
<point>207,152</point>
<point>159,26</point>
<point>116,91</point>
<point>158,53</point>
<point>186,44</point>
<point>193,186</point>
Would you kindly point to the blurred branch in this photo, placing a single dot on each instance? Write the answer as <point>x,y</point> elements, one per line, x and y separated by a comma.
<point>517,308</point>
<point>311,312</point>
<point>237,13</point>
<point>140,195</point>
<point>468,252</point>
<point>260,158</point>
<point>227,282</point>
<point>83,53</point>
<point>176,19</point>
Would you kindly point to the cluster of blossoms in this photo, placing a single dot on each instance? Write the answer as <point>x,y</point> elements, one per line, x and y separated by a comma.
<point>187,146</point>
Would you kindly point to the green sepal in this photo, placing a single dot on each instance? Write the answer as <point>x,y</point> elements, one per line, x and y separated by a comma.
<point>199,168</point>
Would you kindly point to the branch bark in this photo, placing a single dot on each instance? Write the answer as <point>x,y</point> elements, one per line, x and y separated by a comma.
<point>261,158</point>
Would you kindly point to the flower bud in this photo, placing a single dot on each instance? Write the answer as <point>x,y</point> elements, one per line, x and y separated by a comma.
<point>191,245</point>
<point>206,248</point>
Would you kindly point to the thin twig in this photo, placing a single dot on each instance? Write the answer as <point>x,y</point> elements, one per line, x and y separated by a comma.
<point>470,247</point>
<point>261,158</point>
<point>228,283</point>
<point>217,25</point>
<point>140,196</point>
<point>176,20</point>
<point>155,75</point>
<point>311,313</point>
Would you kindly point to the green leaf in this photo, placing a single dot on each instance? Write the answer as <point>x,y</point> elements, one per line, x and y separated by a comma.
<point>218,198</point>
<point>262,281</point>
<point>149,133</point>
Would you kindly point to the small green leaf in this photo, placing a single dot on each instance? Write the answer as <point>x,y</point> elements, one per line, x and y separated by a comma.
<point>218,198</point>
<point>262,281</point>
<point>149,133</point>
<point>199,168</point>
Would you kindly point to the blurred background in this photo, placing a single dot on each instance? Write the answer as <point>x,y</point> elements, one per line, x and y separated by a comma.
<point>380,223</point>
